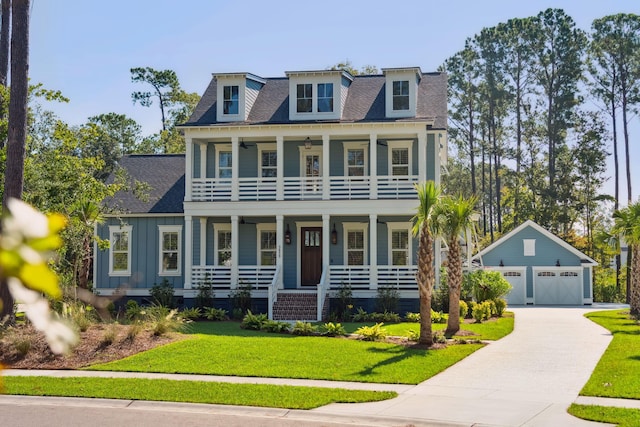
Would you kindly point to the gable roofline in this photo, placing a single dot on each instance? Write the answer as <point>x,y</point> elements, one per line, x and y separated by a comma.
<point>342,73</point>
<point>243,75</point>
<point>529,223</point>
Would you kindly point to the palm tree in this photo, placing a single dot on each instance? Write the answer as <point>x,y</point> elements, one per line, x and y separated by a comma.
<point>428,195</point>
<point>453,219</point>
<point>627,225</point>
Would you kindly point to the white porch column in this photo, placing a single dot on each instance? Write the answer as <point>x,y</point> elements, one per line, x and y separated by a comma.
<point>235,153</point>
<point>279,170</point>
<point>422,157</point>
<point>326,240</point>
<point>326,191</point>
<point>279,245</point>
<point>234,251</point>
<point>373,170</point>
<point>188,250</point>
<point>188,169</point>
<point>373,251</point>
<point>203,241</point>
<point>203,160</point>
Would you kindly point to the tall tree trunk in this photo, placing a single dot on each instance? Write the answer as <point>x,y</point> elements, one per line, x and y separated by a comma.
<point>625,130</point>
<point>472,151</point>
<point>4,41</point>
<point>633,291</point>
<point>484,193</point>
<point>516,201</point>
<point>616,172</point>
<point>14,172</point>
<point>426,279</point>
<point>491,197</point>
<point>454,276</point>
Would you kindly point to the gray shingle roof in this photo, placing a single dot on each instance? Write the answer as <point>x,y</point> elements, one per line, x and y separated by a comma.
<point>365,102</point>
<point>164,173</point>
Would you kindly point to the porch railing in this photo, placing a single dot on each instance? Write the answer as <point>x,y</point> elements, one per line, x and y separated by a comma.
<point>349,187</point>
<point>296,188</point>
<point>402,278</point>
<point>219,277</point>
<point>273,290</point>
<point>356,277</point>
<point>322,293</point>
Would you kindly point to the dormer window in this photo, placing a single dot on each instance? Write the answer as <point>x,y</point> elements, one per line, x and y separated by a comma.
<point>231,100</point>
<point>325,97</point>
<point>400,95</point>
<point>317,95</point>
<point>401,91</point>
<point>305,98</point>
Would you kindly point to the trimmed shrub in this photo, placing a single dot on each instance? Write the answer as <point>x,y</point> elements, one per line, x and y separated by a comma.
<point>501,305</point>
<point>216,314</point>
<point>464,309</point>
<point>205,295</point>
<point>162,294</point>
<point>488,285</point>
<point>372,333</point>
<point>253,321</point>
<point>275,326</point>
<point>360,315</point>
<point>344,303</point>
<point>331,329</point>
<point>438,317</point>
<point>304,328</point>
<point>412,317</point>
<point>241,298</point>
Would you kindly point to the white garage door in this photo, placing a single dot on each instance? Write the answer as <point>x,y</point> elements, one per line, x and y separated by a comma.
<point>517,279</point>
<point>557,286</point>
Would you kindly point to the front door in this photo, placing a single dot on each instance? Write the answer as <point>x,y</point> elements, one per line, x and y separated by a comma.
<point>311,256</point>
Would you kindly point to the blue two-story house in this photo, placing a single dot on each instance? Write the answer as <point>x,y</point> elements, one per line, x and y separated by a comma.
<point>295,185</point>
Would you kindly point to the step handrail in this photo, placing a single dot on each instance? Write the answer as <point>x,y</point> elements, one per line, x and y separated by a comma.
<point>273,290</point>
<point>322,292</point>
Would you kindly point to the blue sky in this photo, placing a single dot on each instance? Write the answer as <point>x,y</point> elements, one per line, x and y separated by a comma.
<point>86,48</point>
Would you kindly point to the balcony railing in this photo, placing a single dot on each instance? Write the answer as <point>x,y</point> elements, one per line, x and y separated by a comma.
<point>303,188</point>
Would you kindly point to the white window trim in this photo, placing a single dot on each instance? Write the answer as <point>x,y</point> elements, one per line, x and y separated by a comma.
<point>169,229</point>
<point>355,226</point>
<point>231,115</point>
<point>219,148</point>
<point>260,228</point>
<point>231,81</point>
<point>356,146</point>
<point>119,229</point>
<point>399,144</point>
<point>217,228</point>
<point>529,247</point>
<point>266,147</point>
<point>405,75</point>
<point>316,150</point>
<point>314,81</point>
<point>391,226</point>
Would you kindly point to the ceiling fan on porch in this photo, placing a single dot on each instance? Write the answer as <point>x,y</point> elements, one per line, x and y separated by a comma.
<point>245,146</point>
<point>244,222</point>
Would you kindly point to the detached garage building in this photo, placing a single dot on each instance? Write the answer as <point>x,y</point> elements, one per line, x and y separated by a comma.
<point>542,268</point>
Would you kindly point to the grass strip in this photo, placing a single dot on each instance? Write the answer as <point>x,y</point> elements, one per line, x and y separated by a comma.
<point>287,356</point>
<point>263,395</point>
<point>492,330</point>
<point>618,371</point>
<point>623,417</point>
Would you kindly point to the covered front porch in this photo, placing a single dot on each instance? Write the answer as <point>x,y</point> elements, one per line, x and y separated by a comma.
<point>314,254</point>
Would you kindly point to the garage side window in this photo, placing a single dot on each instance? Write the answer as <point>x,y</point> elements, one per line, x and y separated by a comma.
<point>529,247</point>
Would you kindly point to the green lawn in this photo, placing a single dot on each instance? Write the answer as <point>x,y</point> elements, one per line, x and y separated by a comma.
<point>490,330</point>
<point>624,417</point>
<point>190,391</point>
<point>618,371</point>
<point>222,348</point>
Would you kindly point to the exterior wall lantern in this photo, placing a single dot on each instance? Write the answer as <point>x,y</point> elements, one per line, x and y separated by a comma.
<point>501,263</point>
<point>287,236</point>
<point>307,144</point>
<point>558,263</point>
<point>334,235</point>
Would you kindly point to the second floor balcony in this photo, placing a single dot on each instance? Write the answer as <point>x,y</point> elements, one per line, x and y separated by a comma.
<point>296,168</point>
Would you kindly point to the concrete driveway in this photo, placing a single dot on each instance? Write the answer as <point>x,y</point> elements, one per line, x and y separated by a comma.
<point>528,378</point>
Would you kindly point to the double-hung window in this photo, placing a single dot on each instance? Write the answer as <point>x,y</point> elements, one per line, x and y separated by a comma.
<point>399,161</point>
<point>304,98</point>
<point>120,250</point>
<point>269,163</point>
<point>267,246</point>
<point>399,243</point>
<point>223,245</point>
<point>231,100</point>
<point>355,242</point>
<point>225,162</point>
<point>170,249</point>
<point>325,98</point>
<point>400,95</point>
<point>355,156</point>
